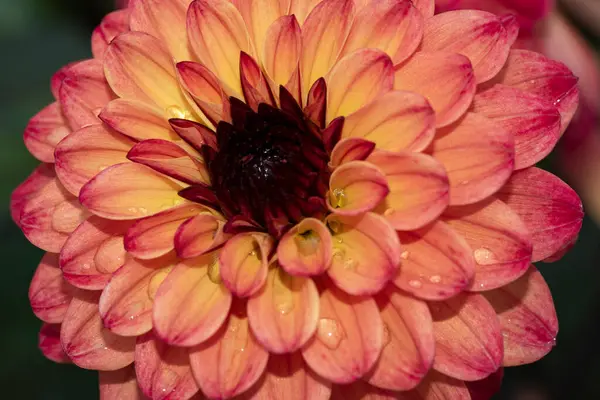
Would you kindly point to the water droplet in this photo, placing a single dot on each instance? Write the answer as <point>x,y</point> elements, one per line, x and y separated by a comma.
<point>339,240</point>
<point>435,279</point>
<point>415,284</point>
<point>166,381</point>
<point>389,212</point>
<point>330,333</point>
<point>86,266</point>
<point>404,255</point>
<point>155,282</point>
<point>338,254</point>
<point>484,256</point>
<point>387,336</point>
<point>350,263</point>
<point>334,226</point>
<point>339,198</point>
<point>214,272</point>
<point>102,168</point>
<point>177,112</point>
<point>177,202</point>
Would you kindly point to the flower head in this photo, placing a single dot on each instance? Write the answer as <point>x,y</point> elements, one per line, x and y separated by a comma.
<point>298,199</point>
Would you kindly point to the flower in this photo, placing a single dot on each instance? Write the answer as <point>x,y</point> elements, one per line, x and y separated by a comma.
<point>298,199</point>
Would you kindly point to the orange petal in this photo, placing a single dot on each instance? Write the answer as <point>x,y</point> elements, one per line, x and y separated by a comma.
<point>348,339</point>
<point>527,318</point>
<point>200,234</point>
<point>255,87</point>
<point>395,121</point>
<point>287,376</point>
<point>85,340</point>
<point>357,79</point>
<point>244,262</point>
<point>111,26</point>
<point>36,181</point>
<point>218,35</point>
<point>366,253</point>
<point>323,35</point>
<point>500,241</point>
<point>478,155</point>
<point>447,81</point>
<point>550,209</point>
<point>437,263</point>
<point>129,191</point>
<point>93,252</point>
<point>479,35</point>
<point>361,390</point>
<point>438,386</point>
<point>468,341</point>
<point>126,302</point>
<point>282,48</point>
<point>49,292</point>
<point>237,360</point>
<point>408,343</point>
<point>533,122</point>
<point>163,371</point>
<point>191,304</point>
<point>284,314</point>
<point>302,8</point>
<point>153,236</point>
<point>419,188</point>
<point>120,384</point>
<point>49,344</point>
<point>306,248</point>
<point>350,149</point>
<point>395,27</point>
<point>44,131</point>
<point>137,120</point>
<point>86,152</point>
<point>259,15</point>
<point>426,7</point>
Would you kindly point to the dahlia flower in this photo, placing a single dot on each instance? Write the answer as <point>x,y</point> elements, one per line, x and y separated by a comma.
<point>274,199</point>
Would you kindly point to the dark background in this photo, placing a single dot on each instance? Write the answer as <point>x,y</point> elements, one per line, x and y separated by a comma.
<point>39,36</point>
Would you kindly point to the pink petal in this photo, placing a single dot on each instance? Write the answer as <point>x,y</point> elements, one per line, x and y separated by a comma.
<point>237,360</point>
<point>366,253</point>
<point>500,242</point>
<point>191,304</point>
<point>468,340</point>
<point>36,181</point>
<point>306,249</point>
<point>49,293</point>
<point>111,26</point>
<point>44,131</point>
<point>478,155</point>
<point>426,7</point>
<point>120,384</point>
<point>550,209</point>
<point>349,337</point>
<point>199,234</point>
<point>350,149</point>
<point>163,372</point>
<point>527,318</point>
<point>49,344</point>
<point>361,390</point>
<point>85,340</point>
<point>282,48</point>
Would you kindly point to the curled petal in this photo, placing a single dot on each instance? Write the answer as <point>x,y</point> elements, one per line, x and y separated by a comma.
<point>396,120</point>
<point>527,318</point>
<point>468,340</point>
<point>244,262</point>
<point>120,384</point>
<point>49,293</point>
<point>348,339</point>
<point>350,149</point>
<point>419,188</point>
<point>550,209</point>
<point>200,234</point>
<point>366,253</point>
<point>111,26</point>
<point>194,134</point>
<point>306,248</point>
<point>282,48</point>
<point>163,372</point>
<point>255,87</point>
<point>478,155</point>
<point>86,152</point>
<point>192,288</point>
<point>36,181</point>
<point>437,263</point>
<point>316,102</point>
<point>85,340</point>
<point>500,241</point>
<point>237,360</point>
<point>129,191</point>
<point>49,344</point>
<point>44,131</point>
<point>445,79</point>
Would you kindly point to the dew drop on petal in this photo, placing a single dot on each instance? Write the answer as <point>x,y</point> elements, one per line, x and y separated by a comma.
<point>404,255</point>
<point>389,212</point>
<point>177,112</point>
<point>338,254</point>
<point>339,198</point>
<point>330,333</point>
<point>386,335</point>
<point>484,256</point>
<point>167,380</point>
<point>435,279</point>
<point>415,283</point>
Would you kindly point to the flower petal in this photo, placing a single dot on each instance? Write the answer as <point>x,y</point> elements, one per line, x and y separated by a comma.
<point>87,343</point>
<point>550,209</point>
<point>237,360</point>
<point>259,15</point>
<point>479,35</point>
<point>49,344</point>
<point>255,87</point>
<point>419,188</point>
<point>284,314</point>
<point>49,292</point>
<point>437,263</point>
<point>478,155</point>
<point>527,318</point>
<point>500,242</point>
<point>357,79</point>
<point>36,181</point>
<point>445,79</point>
<point>44,131</point>
<point>533,122</point>
<point>200,234</point>
<point>282,48</point>
<point>486,388</point>
<point>408,343</point>
<point>120,384</point>
<point>163,372</point>
<point>244,262</point>
<point>305,249</point>
<point>93,252</point>
<point>193,289</point>
<point>348,339</point>
<point>426,7</point>
<point>355,188</point>
<point>129,191</point>
<point>395,27</point>
<point>110,27</point>
<point>86,152</point>
<point>361,390</point>
<point>438,386</point>
<point>468,341</point>
<point>350,149</point>
<point>366,253</point>
<point>395,121</point>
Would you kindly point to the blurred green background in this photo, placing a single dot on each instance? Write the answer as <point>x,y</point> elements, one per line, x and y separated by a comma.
<point>39,36</point>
